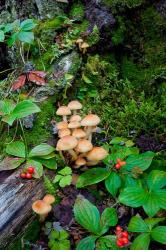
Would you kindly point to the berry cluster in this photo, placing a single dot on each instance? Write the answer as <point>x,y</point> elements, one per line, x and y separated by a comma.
<point>120,164</point>
<point>28,173</point>
<point>122,237</point>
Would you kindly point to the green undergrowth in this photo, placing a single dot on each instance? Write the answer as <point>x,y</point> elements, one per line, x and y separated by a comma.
<point>42,127</point>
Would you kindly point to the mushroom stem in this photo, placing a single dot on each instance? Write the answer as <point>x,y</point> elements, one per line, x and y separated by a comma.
<point>43,217</point>
<point>84,51</point>
<point>61,154</point>
<point>73,154</point>
<point>88,132</point>
<point>64,118</point>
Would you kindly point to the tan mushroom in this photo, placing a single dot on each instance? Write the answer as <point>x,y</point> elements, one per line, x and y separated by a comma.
<point>49,199</point>
<point>90,121</point>
<point>64,132</point>
<point>79,133</point>
<point>79,41</point>
<point>74,106</point>
<point>83,146</point>
<point>62,125</point>
<point>80,162</point>
<point>67,143</point>
<point>73,125</point>
<point>42,208</point>
<point>75,118</point>
<point>84,47</point>
<point>95,155</point>
<point>63,111</point>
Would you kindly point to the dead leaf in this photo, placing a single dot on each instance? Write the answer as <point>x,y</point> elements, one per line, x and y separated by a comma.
<point>10,163</point>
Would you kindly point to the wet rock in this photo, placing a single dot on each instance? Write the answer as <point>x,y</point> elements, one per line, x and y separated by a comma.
<point>28,121</point>
<point>66,69</point>
<point>99,15</point>
<point>42,93</point>
<point>161,7</point>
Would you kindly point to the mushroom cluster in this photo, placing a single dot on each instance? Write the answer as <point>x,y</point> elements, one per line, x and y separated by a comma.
<point>82,45</point>
<point>75,135</point>
<point>43,207</point>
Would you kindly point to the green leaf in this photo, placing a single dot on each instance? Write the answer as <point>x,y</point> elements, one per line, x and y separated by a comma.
<point>65,181</point>
<point>113,183</point>
<point>161,197</point>
<point>151,222</point>
<point>63,245</point>
<point>27,25</point>
<point>141,242</point>
<point>47,157</point>
<point>41,150</point>
<point>129,181</point>
<point>10,163</point>
<point>156,179</point>
<point>159,234</point>
<point>122,152</point>
<point>57,178</point>
<point>108,218</point>
<point>8,27</point>
<point>133,196</point>
<point>151,205</point>
<point>65,171</point>
<point>92,176</point>
<point>142,161</point>
<point>118,140</point>
<point>6,107</point>
<point>38,168</point>
<point>63,235</point>
<point>87,215</point>
<point>107,242</point>
<point>48,163</point>
<point>87,243</point>
<point>86,79</point>
<point>26,37</point>
<point>12,39</point>
<point>2,36</point>
<point>16,148</point>
<point>21,110</point>
<point>138,225</point>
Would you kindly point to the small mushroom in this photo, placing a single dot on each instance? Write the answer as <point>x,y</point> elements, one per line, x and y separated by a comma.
<point>49,199</point>
<point>67,143</point>
<point>79,41</point>
<point>73,125</point>
<point>74,106</point>
<point>97,154</point>
<point>63,111</point>
<point>80,162</point>
<point>62,125</point>
<point>75,118</point>
<point>79,133</point>
<point>64,132</point>
<point>42,208</point>
<point>90,121</point>
<point>84,47</point>
<point>84,146</point>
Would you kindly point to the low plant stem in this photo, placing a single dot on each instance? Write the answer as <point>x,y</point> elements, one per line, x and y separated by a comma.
<point>24,139</point>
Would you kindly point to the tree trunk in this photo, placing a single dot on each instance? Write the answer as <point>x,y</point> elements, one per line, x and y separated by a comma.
<point>16,200</point>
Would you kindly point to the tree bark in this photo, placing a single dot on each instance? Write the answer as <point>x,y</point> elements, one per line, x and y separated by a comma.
<point>16,198</point>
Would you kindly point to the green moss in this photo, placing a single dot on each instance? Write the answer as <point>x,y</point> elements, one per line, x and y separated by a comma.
<point>94,37</point>
<point>41,129</point>
<point>77,11</point>
<point>123,3</point>
<point>29,236</point>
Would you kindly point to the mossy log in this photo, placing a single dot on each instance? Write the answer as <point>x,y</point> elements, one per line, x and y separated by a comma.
<point>16,197</point>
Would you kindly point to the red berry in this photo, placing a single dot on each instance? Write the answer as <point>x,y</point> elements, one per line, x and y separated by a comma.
<point>119,229</point>
<point>28,176</point>
<point>125,240</point>
<point>23,175</point>
<point>125,234</point>
<point>119,243</point>
<point>117,166</point>
<point>31,170</point>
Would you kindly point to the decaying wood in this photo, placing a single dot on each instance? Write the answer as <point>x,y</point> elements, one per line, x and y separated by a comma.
<point>16,197</point>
